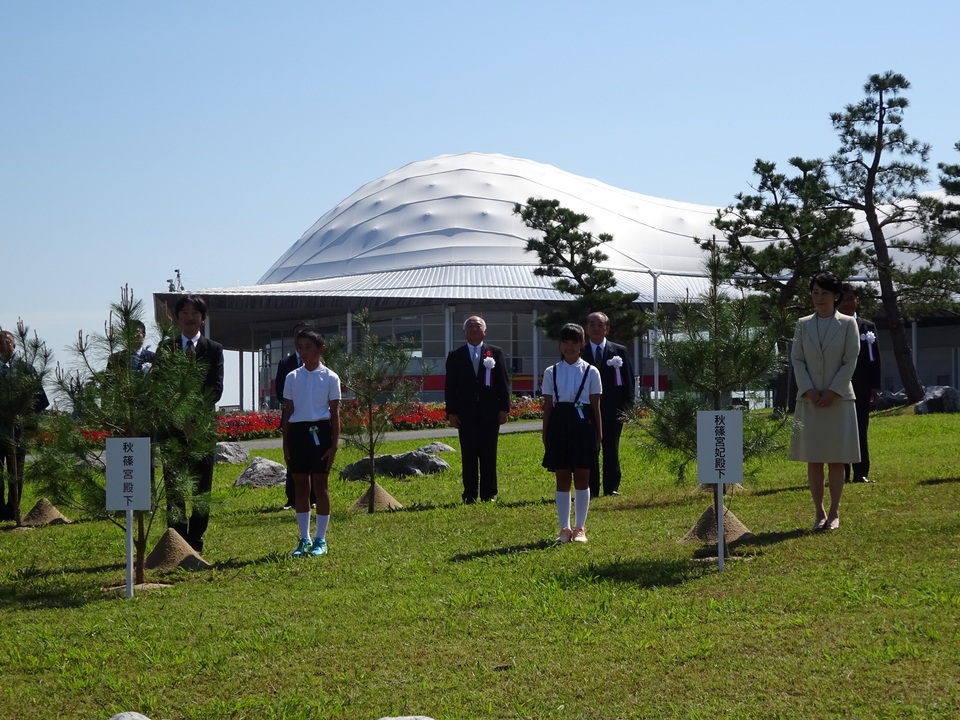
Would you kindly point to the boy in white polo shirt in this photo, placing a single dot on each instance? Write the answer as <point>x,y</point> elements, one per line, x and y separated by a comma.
<point>311,432</point>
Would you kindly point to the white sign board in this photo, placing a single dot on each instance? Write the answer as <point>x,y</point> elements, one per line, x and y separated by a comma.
<point>719,446</point>
<point>128,473</point>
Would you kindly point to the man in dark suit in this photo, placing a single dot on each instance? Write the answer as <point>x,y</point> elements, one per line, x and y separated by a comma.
<point>190,314</point>
<point>866,379</point>
<point>286,366</point>
<point>616,376</point>
<point>477,397</point>
<point>19,382</point>
<point>138,357</point>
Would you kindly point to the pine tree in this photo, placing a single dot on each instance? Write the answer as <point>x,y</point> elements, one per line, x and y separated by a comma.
<point>778,237</point>
<point>572,255</point>
<point>878,171</point>
<point>949,217</point>
<point>108,395</point>
<point>374,373</point>
<point>715,344</point>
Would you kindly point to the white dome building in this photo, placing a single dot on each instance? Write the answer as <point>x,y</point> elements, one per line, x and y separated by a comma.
<point>428,245</point>
<point>445,228</point>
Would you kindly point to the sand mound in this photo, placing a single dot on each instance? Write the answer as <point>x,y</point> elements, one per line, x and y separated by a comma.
<point>172,552</point>
<point>43,513</point>
<point>706,528</point>
<point>382,500</point>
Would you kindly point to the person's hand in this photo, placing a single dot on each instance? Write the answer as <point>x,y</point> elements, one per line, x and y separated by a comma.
<point>502,417</point>
<point>329,456</point>
<point>826,398</point>
<point>813,395</point>
<point>874,397</point>
<point>454,421</point>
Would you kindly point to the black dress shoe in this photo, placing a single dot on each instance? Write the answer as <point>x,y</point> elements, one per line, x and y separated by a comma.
<point>864,479</point>
<point>613,492</point>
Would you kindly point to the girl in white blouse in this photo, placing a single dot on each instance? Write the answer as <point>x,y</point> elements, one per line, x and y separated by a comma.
<point>571,429</point>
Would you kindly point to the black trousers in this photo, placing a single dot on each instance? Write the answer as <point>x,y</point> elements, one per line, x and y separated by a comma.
<point>609,459</point>
<point>191,528</point>
<point>12,457</point>
<point>862,468</point>
<point>478,450</point>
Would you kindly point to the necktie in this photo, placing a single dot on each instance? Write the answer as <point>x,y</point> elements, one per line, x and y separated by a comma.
<point>190,349</point>
<point>599,355</point>
<point>475,358</point>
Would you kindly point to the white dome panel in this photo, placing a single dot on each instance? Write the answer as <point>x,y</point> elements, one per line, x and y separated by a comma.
<point>458,210</point>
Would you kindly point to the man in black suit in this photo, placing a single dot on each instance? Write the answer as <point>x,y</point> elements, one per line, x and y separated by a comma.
<point>137,358</point>
<point>16,375</point>
<point>866,378</point>
<point>477,397</point>
<point>190,314</point>
<point>286,366</point>
<point>616,376</point>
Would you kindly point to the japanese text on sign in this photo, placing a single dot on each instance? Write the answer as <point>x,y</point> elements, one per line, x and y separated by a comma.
<point>720,446</point>
<point>128,473</point>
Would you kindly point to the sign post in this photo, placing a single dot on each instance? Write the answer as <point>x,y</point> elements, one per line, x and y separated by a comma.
<point>128,485</point>
<point>719,459</point>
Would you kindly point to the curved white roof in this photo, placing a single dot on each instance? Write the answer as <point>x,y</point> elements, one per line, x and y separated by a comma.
<point>445,228</point>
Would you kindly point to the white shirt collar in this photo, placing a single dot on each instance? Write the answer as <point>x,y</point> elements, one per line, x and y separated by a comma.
<point>184,340</point>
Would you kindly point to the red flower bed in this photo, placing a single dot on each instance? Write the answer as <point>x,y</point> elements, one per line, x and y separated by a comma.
<point>97,437</point>
<point>526,408</point>
<point>420,416</point>
<point>248,426</point>
<point>255,425</point>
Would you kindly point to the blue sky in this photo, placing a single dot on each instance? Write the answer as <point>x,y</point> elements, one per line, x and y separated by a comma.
<point>208,136</point>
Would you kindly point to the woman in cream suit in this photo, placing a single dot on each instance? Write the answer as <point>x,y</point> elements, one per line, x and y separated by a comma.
<point>825,349</point>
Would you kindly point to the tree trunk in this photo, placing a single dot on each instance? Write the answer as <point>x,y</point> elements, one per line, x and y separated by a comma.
<point>898,329</point>
<point>371,504</point>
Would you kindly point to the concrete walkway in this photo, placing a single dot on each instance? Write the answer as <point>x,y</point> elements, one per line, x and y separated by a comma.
<point>430,434</point>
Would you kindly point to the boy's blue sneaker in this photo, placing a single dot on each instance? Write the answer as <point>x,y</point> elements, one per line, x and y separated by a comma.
<point>303,547</point>
<point>319,547</point>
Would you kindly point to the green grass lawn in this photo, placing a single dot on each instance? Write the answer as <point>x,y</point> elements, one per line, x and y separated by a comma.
<point>460,612</point>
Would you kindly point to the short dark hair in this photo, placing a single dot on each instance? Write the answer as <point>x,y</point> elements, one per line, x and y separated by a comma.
<point>138,325</point>
<point>828,281</point>
<point>198,302</point>
<point>851,288</point>
<point>571,331</point>
<point>312,335</point>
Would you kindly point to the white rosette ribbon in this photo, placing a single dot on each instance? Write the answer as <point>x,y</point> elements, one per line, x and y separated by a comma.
<point>489,363</point>
<point>616,362</point>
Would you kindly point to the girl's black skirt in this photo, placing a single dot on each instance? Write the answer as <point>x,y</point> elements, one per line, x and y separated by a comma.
<point>571,441</point>
<point>306,455</point>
